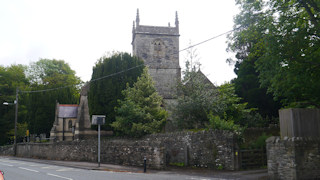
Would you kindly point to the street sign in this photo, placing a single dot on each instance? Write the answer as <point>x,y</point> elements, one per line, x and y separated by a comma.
<point>98,119</point>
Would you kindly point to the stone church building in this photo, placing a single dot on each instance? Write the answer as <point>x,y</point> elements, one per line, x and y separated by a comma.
<point>159,48</point>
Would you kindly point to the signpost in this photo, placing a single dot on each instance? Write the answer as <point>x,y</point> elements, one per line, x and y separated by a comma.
<point>98,120</point>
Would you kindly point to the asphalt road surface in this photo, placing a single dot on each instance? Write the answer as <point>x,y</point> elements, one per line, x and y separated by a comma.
<point>24,170</point>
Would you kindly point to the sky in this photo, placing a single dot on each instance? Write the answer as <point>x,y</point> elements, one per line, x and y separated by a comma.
<point>81,31</point>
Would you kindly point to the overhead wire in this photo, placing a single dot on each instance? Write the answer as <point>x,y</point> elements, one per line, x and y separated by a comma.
<point>114,74</point>
<point>103,77</point>
<point>191,46</point>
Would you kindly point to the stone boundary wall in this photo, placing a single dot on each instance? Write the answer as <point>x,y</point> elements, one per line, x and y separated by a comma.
<point>6,150</point>
<point>123,152</point>
<point>208,149</point>
<point>69,151</point>
<point>293,158</point>
<point>132,152</point>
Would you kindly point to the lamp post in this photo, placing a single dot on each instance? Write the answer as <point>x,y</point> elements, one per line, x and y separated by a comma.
<point>15,121</point>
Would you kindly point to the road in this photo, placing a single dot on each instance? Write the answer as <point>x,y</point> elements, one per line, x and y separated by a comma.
<point>24,170</point>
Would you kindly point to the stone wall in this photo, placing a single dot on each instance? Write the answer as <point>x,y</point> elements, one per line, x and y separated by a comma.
<point>293,158</point>
<point>72,151</point>
<point>123,152</point>
<point>6,150</point>
<point>132,152</point>
<point>207,149</point>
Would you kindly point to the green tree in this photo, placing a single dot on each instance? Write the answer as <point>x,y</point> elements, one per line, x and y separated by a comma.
<point>215,122</point>
<point>195,97</point>
<point>230,107</point>
<point>140,112</point>
<point>106,91</point>
<point>21,132</point>
<point>40,103</point>
<point>11,77</point>
<point>228,104</point>
<point>247,87</point>
<point>247,42</point>
<point>283,39</point>
<point>198,97</point>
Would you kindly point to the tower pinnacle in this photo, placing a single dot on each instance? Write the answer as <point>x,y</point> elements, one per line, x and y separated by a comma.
<point>133,27</point>
<point>177,20</point>
<point>138,18</point>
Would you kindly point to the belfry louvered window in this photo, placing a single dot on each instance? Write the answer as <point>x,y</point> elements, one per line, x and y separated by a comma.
<point>157,46</point>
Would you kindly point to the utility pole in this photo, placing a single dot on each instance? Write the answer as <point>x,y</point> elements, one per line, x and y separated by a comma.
<point>15,124</point>
<point>98,145</point>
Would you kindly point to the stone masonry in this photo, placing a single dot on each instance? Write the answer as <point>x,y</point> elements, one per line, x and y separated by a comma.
<point>206,149</point>
<point>293,158</point>
<point>159,48</point>
<point>296,154</point>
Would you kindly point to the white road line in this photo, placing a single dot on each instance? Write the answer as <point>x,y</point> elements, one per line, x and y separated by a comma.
<point>58,176</point>
<point>22,163</point>
<point>33,165</point>
<point>48,167</point>
<point>10,162</point>
<point>28,169</point>
<point>6,164</point>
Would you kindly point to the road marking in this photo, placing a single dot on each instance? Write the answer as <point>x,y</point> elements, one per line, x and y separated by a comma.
<point>6,164</point>
<point>59,176</point>
<point>28,169</point>
<point>22,163</point>
<point>33,165</point>
<point>10,162</point>
<point>48,167</point>
<point>15,162</point>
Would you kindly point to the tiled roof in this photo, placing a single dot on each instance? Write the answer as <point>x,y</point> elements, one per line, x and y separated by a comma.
<point>68,110</point>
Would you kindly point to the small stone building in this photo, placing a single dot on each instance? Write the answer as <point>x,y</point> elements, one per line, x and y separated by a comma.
<point>64,125</point>
<point>72,121</point>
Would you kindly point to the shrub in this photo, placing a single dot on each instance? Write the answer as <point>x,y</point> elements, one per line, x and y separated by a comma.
<point>215,122</point>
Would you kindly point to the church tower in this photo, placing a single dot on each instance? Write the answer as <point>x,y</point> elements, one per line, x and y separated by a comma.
<point>159,48</point>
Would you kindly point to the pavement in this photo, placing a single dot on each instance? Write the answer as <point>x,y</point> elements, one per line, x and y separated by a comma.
<point>259,174</point>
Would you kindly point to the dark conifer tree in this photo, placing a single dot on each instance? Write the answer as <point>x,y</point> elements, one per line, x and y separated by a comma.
<point>115,72</point>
